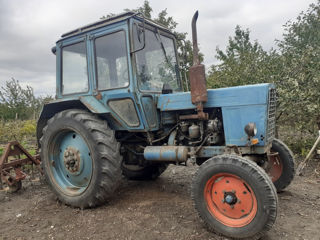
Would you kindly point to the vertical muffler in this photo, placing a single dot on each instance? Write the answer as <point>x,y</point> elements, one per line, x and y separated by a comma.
<point>197,75</point>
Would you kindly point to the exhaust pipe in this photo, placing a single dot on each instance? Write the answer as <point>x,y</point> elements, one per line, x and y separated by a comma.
<point>197,75</point>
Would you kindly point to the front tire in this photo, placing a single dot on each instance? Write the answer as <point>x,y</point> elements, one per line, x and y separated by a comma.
<point>235,197</point>
<point>281,165</point>
<point>81,158</point>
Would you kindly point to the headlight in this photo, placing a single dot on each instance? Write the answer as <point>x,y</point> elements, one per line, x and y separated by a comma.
<point>251,129</point>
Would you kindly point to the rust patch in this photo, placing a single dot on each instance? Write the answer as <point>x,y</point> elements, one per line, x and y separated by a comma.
<point>98,96</point>
<point>197,75</point>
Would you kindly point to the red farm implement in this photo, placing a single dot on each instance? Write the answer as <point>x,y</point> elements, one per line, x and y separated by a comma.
<point>12,163</point>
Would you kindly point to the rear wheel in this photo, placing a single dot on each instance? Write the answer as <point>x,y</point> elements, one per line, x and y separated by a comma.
<point>280,165</point>
<point>80,158</point>
<point>235,197</point>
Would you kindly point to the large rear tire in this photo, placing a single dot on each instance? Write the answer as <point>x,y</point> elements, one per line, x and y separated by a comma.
<point>80,158</point>
<point>281,165</point>
<point>235,197</point>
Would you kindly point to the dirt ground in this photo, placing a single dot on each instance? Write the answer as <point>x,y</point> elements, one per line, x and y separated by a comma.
<point>160,209</point>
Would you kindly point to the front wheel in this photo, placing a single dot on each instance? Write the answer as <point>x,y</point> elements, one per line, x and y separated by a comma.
<point>280,165</point>
<point>235,197</point>
<point>81,158</point>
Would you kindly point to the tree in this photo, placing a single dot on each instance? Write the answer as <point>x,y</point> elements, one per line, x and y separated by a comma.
<point>16,100</point>
<point>19,103</point>
<point>294,68</point>
<point>243,62</point>
<point>300,50</point>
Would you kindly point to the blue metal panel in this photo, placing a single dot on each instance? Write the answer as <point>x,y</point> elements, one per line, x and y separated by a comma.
<point>236,118</point>
<point>211,151</point>
<point>120,94</point>
<point>93,104</point>
<point>221,97</point>
<point>150,111</point>
<point>240,105</point>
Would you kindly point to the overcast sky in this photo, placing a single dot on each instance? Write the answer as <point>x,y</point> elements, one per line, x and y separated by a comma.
<point>29,28</point>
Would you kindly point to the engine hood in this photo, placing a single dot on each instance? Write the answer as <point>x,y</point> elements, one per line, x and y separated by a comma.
<point>222,97</point>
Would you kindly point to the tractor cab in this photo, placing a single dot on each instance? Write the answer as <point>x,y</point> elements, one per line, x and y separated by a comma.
<point>118,66</point>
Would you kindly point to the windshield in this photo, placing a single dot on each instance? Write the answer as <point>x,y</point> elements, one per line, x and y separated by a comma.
<point>156,62</point>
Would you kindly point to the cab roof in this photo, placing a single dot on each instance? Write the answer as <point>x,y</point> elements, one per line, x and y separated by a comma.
<point>111,20</point>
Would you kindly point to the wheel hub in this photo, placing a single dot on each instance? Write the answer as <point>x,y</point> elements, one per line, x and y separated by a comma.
<point>230,198</point>
<point>71,157</point>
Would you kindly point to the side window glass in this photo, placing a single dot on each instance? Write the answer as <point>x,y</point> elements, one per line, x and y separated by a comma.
<point>74,69</point>
<point>111,61</point>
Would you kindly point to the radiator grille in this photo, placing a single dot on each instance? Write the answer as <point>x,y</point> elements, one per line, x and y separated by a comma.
<point>271,124</point>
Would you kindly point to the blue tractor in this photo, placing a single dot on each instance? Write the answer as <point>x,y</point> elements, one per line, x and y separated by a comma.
<point>120,109</point>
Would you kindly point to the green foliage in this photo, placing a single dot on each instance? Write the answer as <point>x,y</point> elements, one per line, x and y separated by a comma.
<point>243,62</point>
<point>21,131</point>
<point>300,50</point>
<point>16,101</point>
<point>295,69</point>
<point>300,142</point>
<point>19,103</point>
<point>17,130</point>
<point>28,127</point>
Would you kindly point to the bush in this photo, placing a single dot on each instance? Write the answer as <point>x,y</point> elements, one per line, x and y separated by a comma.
<point>22,131</point>
<point>298,140</point>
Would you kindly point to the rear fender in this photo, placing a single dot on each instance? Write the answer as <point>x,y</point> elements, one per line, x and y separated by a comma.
<point>88,103</point>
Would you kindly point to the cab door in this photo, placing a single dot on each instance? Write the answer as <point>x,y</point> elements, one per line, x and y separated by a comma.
<point>112,76</point>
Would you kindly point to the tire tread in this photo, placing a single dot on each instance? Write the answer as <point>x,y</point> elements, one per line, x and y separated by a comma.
<point>108,149</point>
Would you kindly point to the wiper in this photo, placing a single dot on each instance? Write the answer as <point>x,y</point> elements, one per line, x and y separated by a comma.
<point>162,46</point>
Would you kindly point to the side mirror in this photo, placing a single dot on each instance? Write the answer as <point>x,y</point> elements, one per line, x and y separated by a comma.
<point>138,30</point>
<point>54,50</point>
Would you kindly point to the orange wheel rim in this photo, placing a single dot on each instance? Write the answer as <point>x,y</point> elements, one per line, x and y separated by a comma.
<point>275,167</point>
<point>230,200</point>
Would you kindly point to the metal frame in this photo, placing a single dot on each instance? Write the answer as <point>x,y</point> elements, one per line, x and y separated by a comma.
<point>94,37</point>
<point>61,65</point>
<point>11,160</point>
